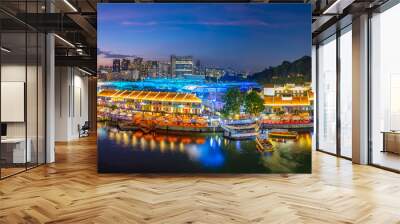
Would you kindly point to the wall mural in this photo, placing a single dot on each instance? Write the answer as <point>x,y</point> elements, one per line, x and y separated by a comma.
<point>204,88</point>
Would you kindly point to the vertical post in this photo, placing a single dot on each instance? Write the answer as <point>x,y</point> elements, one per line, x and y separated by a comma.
<point>338,75</point>
<point>360,89</point>
<point>50,91</point>
<point>316,96</point>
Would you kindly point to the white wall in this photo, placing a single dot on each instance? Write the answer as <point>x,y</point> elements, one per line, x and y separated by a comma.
<point>71,102</point>
<point>12,73</point>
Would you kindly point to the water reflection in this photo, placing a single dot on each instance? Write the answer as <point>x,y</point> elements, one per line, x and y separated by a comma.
<point>135,151</point>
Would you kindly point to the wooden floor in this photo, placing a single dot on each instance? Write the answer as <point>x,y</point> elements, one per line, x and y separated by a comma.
<point>71,191</point>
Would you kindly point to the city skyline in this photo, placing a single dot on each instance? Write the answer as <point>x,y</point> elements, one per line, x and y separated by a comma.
<point>237,36</point>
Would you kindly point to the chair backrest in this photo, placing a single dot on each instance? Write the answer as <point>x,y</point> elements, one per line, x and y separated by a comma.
<point>86,125</point>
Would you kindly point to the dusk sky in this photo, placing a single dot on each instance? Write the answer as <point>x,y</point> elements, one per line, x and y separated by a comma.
<point>245,37</point>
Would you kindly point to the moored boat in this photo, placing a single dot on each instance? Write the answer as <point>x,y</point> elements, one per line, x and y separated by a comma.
<point>240,129</point>
<point>282,134</point>
<point>264,144</point>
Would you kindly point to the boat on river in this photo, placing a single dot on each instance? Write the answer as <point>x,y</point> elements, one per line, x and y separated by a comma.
<point>283,134</point>
<point>240,129</point>
<point>264,144</point>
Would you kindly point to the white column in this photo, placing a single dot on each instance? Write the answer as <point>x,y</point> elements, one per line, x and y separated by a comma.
<point>50,98</point>
<point>360,90</point>
<point>62,103</point>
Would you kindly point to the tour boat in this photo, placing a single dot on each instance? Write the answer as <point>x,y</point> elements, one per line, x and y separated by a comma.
<point>240,129</point>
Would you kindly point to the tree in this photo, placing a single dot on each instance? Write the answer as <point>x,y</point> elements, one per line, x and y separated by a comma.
<point>233,100</point>
<point>114,107</point>
<point>253,103</point>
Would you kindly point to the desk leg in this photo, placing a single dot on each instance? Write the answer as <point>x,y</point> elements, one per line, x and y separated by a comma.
<point>384,142</point>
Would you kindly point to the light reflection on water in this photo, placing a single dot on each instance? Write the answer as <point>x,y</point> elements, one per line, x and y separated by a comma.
<point>135,151</point>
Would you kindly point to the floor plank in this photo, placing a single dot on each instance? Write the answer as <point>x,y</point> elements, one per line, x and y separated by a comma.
<point>71,191</point>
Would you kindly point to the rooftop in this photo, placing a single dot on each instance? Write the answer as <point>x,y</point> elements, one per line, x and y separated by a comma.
<point>151,96</point>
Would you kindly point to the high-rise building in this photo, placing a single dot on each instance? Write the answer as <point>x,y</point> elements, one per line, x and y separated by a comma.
<point>137,62</point>
<point>152,68</point>
<point>181,65</point>
<point>164,69</point>
<point>116,65</point>
<point>125,64</point>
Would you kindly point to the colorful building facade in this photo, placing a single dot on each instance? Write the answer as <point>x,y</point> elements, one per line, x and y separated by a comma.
<point>150,101</point>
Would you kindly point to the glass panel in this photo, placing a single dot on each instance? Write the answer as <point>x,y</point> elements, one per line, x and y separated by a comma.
<point>346,93</point>
<point>327,95</point>
<point>13,86</point>
<point>23,84</point>
<point>31,98</point>
<point>385,84</point>
<point>41,98</point>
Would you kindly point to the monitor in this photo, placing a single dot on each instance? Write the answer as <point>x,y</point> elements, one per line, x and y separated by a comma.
<point>3,129</point>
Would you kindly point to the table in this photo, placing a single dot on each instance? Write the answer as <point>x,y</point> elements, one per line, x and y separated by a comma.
<point>391,141</point>
<point>16,147</point>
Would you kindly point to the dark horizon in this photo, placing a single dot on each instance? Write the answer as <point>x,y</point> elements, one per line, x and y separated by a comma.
<point>244,37</point>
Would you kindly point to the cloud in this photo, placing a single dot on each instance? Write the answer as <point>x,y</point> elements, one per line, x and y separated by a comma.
<point>108,54</point>
<point>203,23</point>
<point>236,23</point>
<point>150,23</point>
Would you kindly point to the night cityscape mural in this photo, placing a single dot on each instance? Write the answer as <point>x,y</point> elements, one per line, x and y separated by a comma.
<point>204,88</point>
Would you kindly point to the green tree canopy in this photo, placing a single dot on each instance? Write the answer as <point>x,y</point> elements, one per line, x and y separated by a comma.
<point>253,103</point>
<point>233,99</point>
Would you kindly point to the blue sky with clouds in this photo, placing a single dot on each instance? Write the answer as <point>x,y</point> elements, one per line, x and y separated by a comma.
<point>246,37</point>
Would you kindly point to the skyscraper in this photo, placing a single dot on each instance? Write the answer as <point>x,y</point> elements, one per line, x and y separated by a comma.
<point>125,64</point>
<point>116,65</point>
<point>164,69</point>
<point>181,65</point>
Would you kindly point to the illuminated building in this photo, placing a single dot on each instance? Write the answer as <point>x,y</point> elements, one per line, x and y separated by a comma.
<point>130,75</point>
<point>125,64</point>
<point>116,65</point>
<point>214,73</point>
<point>288,98</point>
<point>181,65</point>
<point>152,68</point>
<point>151,101</point>
<point>164,69</point>
<point>137,63</point>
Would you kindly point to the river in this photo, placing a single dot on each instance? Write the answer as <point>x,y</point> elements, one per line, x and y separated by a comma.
<point>136,152</point>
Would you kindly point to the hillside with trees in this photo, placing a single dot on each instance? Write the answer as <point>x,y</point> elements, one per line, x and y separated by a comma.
<point>298,71</point>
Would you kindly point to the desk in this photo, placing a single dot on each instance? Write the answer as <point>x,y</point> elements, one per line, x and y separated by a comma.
<point>391,141</point>
<point>16,147</point>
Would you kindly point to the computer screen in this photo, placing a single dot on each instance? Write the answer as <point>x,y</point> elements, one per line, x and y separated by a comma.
<point>3,129</point>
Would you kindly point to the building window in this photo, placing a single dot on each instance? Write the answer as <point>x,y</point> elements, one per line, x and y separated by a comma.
<point>327,95</point>
<point>346,92</point>
<point>385,89</point>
